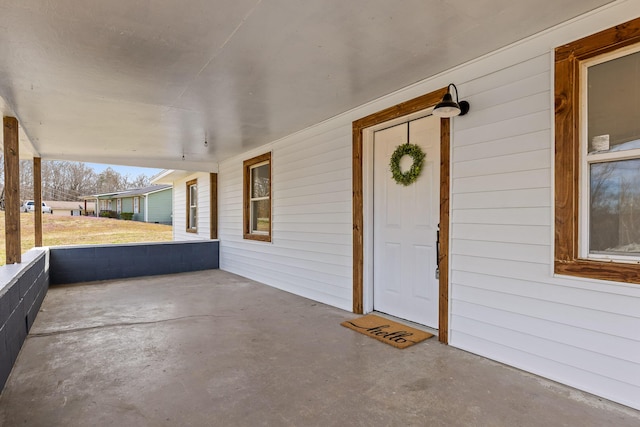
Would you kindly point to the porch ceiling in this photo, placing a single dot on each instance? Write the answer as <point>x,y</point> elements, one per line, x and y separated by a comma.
<point>145,82</point>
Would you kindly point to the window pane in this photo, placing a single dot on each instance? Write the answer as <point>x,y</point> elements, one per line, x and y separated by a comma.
<point>192,217</point>
<point>614,217</point>
<point>613,102</point>
<point>260,215</point>
<point>193,195</point>
<point>260,181</point>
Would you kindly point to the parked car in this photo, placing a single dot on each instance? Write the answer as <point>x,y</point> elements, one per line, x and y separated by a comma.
<point>29,206</point>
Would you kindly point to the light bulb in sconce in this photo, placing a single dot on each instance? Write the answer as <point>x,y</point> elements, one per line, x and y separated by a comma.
<point>450,108</point>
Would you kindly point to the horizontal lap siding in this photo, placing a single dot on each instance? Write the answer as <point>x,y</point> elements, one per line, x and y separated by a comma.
<point>180,208</point>
<point>310,253</point>
<point>505,302</point>
<point>127,204</point>
<point>160,207</point>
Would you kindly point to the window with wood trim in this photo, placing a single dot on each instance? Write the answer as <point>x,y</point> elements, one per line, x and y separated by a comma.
<point>597,155</point>
<point>136,205</point>
<point>257,198</point>
<point>192,206</point>
<point>213,200</point>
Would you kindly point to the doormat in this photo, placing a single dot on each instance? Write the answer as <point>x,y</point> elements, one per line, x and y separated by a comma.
<point>387,331</point>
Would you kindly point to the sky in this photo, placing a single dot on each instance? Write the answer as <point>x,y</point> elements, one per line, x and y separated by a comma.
<point>131,171</point>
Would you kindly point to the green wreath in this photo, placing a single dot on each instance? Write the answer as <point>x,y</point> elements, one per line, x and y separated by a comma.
<point>408,177</point>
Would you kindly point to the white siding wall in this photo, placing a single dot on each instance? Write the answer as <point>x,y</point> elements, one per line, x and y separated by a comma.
<point>506,303</point>
<point>180,208</point>
<point>310,252</point>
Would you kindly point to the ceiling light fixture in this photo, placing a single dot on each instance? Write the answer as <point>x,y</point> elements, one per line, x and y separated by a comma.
<point>450,108</point>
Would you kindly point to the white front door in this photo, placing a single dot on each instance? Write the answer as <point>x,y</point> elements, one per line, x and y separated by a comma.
<point>405,225</point>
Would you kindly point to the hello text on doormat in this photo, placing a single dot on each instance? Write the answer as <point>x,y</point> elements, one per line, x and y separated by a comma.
<point>387,331</point>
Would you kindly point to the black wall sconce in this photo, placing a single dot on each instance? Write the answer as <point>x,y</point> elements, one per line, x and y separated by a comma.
<point>450,108</point>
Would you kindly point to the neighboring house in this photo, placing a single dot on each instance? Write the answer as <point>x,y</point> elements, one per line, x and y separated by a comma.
<point>193,193</point>
<point>317,214</point>
<point>150,204</point>
<point>103,202</point>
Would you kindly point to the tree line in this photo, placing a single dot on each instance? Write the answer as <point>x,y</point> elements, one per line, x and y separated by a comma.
<point>69,181</point>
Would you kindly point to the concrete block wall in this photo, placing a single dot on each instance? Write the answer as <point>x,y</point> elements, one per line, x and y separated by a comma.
<point>22,289</point>
<point>74,264</point>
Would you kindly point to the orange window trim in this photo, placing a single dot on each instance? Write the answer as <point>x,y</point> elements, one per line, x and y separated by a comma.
<point>246,199</point>
<point>190,229</point>
<point>567,154</point>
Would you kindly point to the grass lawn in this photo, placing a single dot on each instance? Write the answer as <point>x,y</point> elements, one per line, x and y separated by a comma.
<point>82,230</point>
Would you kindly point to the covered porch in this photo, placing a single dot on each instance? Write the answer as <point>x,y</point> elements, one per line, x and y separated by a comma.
<point>214,348</point>
<point>214,89</point>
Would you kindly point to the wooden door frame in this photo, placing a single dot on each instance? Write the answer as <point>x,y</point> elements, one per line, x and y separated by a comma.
<point>404,109</point>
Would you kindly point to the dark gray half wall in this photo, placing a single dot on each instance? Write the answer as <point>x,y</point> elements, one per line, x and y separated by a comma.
<point>22,288</point>
<point>73,264</point>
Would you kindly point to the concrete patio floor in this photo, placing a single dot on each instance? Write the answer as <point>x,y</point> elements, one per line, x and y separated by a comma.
<point>215,349</point>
